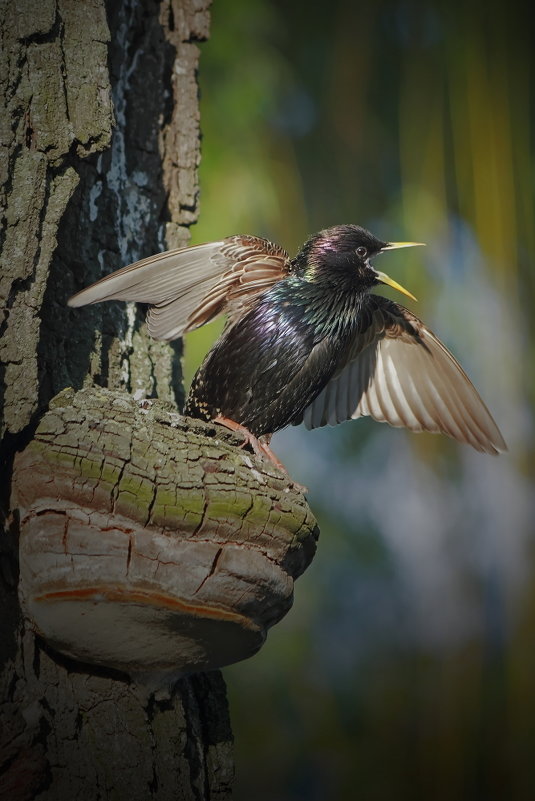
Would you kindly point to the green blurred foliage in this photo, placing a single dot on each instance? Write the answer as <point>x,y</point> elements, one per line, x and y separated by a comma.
<point>405,669</point>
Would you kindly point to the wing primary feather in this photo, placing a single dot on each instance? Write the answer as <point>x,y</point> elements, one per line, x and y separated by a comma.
<point>447,417</point>
<point>406,412</point>
<point>148,280</point>
<point>466,406</point>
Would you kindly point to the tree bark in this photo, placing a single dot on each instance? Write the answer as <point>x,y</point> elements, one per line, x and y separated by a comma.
<point>100,144</point>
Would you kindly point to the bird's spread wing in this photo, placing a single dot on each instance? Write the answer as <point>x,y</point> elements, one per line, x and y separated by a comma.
<point>188,287</point>
<point>398,372</point>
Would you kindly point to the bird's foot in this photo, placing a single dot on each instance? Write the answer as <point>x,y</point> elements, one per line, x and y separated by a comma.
<point>263,442</point>
<point>260,448</point>
<point>259,445</point>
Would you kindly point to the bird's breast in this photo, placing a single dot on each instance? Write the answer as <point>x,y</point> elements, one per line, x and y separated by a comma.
<point>272,362</point>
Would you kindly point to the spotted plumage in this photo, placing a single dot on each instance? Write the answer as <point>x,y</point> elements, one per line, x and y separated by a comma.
<point>306,340</point>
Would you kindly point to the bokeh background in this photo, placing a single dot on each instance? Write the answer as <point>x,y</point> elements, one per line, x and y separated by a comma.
<point>406,668</point>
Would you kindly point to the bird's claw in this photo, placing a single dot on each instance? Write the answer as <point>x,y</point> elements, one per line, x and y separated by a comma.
<point>260,448</point>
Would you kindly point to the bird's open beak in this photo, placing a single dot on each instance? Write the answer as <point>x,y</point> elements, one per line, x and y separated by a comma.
<point>383,278</point>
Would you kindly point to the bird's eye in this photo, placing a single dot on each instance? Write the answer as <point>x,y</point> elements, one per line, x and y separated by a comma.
<point>362,252</point>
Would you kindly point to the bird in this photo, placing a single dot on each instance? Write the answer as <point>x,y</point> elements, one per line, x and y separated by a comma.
<point>306,339</point>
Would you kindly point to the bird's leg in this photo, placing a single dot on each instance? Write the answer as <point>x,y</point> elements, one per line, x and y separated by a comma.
<point>264,441</point>
<point>259,446</point>
<point>264,445</point>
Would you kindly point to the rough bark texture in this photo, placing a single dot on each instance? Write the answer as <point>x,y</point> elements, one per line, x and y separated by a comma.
<point>99,148</point>
<point>78,200</point>
<point>151,543</point>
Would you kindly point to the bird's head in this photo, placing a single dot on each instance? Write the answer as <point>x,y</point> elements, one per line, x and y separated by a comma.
<point>343,254</point>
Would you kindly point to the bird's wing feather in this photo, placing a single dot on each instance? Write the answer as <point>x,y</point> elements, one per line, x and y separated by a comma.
<point>398,372</point>
<point>188,287</point>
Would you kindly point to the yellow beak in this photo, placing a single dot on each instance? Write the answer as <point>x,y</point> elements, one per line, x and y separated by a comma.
<point>383,278</point>
<point>396,245</point>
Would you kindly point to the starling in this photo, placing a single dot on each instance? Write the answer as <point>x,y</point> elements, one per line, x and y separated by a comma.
<point>305,341</point>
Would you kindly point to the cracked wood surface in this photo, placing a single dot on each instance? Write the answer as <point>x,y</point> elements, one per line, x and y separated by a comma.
<point>134,518</point>
<point>99,144</point>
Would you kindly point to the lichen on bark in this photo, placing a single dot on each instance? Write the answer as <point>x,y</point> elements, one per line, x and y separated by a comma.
<point>134,518</point>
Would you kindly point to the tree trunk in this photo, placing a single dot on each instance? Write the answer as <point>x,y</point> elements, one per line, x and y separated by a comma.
<point>100,144</point>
